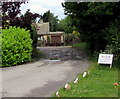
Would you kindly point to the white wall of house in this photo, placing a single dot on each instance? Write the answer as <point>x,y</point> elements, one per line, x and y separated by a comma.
<point>43,32</point>
<point>43,28</point>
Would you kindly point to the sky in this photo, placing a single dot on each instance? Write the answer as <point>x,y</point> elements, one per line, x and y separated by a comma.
<point>41,6</point>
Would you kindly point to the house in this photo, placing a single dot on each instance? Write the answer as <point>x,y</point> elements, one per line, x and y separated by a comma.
<point>47,37</point>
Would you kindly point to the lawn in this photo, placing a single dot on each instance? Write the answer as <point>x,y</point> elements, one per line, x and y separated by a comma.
<point>80,46</point>
<point>99,83</point>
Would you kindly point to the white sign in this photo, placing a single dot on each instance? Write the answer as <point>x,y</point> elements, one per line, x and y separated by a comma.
<point>105,59</point>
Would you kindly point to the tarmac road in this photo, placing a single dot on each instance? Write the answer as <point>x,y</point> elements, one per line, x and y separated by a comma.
<point>40,79</point>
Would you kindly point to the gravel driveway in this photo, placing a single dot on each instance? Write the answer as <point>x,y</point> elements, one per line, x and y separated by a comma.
<point>44,77</point>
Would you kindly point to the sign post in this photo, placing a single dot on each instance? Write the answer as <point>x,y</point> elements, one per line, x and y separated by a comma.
<point>105,59</point>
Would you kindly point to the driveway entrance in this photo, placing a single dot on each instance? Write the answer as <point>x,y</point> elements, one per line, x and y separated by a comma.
<point>44,77</point>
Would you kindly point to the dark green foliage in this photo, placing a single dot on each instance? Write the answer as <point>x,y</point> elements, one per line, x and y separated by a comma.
<point>27,19</point>
<point>114,40</point>
<point>91,19</point>
<point>48,39</point>
<point>16,46</point>
<point>33,33</point>
<point>36,55</point>
<point>66,25</point>
<point>53,20</point>
<point>80,46</point>
<point>0,40</point>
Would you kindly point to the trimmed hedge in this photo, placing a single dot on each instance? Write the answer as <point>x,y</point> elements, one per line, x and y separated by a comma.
<point>16,46</point>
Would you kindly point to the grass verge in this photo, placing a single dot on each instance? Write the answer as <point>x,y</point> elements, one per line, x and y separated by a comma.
<point>81,46</point>
<point>99,83</point>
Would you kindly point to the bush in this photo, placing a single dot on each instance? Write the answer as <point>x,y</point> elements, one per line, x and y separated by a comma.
<point>0,49</point>
<point>36,55</point>
<point>72,38</point>
<point>113,47</point>
<point>16,46</point>
<point>34,37</point>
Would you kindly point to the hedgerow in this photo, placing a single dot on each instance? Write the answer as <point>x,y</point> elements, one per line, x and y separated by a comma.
<point>16,46</point>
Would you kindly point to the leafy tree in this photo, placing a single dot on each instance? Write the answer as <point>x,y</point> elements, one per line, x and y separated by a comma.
<point>53,20</point>
<point>91,18</point>
<point>71,38</point>
<point>9,11</point>
<point>66,25</point>
<point>114,40</point>
<point>11,17</point>
<point>26,22</point>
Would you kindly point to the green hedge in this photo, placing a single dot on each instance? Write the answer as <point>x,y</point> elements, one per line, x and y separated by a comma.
<point>16,46</point>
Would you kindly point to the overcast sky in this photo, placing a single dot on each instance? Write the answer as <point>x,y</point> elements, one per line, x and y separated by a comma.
<point>41,6</point>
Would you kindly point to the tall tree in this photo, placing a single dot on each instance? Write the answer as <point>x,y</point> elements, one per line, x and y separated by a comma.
<point>92,18</point>
<point>66,25</point>
<point>53,20</point>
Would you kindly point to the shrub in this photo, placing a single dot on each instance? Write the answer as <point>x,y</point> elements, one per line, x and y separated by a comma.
<point>71,38</point>
<point>36,55</point>
<point>114,40</point>
<point>0,49</point>
<point>16,46</point>
<point>34,37</point>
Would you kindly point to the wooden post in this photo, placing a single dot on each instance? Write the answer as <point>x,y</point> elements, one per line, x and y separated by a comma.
<point>110,66</point>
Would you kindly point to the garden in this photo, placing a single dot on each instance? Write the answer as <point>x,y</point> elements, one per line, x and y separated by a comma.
<point>99,83</point>
<point>19,35</point>
<point>94,29</point>
<point>99,27</point>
